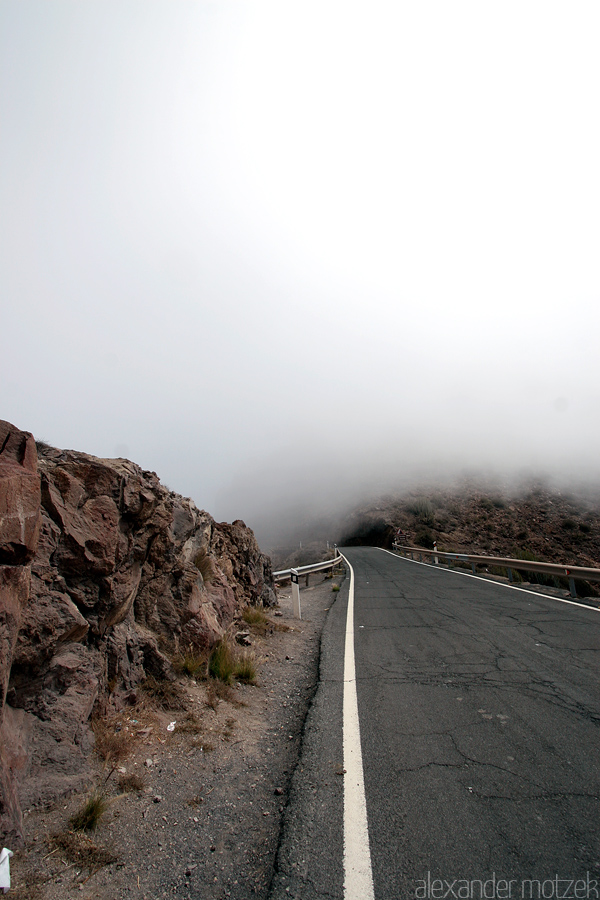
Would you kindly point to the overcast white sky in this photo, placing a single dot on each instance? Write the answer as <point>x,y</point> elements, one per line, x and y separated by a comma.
<point>251,244</point>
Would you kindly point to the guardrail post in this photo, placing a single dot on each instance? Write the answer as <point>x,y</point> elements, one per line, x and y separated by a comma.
<point>571,583</point>
<point>509,573</point>
<point>473,568</point>
<point>435,558</point>
<point>295,593</point>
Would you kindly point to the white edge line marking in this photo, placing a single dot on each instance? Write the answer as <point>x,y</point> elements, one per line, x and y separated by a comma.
<point>490,581</point>
<point>358,874</point>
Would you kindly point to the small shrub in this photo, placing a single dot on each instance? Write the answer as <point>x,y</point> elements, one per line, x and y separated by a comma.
<point>423,510</point>
<point>537,577</point>
<point>568,524</point>
<point>583,526</point>
<point>335,588</point>
<point>424,539</point>
<point>205,565</point>
<point>221,665</point>
<point>245,669</point>
<point>87,818</point>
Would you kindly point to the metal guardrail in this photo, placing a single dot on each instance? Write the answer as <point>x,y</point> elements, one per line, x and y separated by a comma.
<point>520,565</point>
<point>284,574</point>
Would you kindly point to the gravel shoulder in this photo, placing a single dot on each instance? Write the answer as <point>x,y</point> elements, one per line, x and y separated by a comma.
<point>207,821</point>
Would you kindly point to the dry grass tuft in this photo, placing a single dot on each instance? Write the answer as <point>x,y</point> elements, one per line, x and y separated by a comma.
<point>191,662</point>
<point>257,619</point>
<point>79,849</point>
<point>131,784</point>
<point>190,725</point>
<point>253,615</point>
<point>216,691</point>
<point>166,695</point>
<point>112,745</point>
<point>205,565</point>
<point>228,729</point>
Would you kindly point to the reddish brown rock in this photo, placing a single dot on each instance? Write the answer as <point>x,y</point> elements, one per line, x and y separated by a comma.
<point>19,531</point>
<point>125,572</point>
<point>19,496</point>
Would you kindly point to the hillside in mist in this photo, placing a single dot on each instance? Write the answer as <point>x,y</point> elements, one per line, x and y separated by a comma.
<point>533,521</point>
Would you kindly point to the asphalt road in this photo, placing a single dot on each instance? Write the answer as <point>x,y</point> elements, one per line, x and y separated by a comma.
<point>479,711</point>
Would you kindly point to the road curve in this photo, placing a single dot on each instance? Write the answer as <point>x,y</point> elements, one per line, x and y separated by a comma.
<point>479,714</point>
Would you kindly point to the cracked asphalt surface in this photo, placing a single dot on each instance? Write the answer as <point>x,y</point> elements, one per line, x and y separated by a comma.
<point>479,711</point>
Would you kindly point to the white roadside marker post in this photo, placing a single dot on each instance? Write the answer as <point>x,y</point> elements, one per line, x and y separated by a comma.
<point>295,593</point>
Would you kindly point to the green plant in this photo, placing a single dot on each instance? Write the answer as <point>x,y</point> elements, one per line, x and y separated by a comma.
<point>424,539</point>
<point>335,588</point>
<point>245,668</point>
<point>87,818</point>
<point>221,664</point>
<point>205,565</point>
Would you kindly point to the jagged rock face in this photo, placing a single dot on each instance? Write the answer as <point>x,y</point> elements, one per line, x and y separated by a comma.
<point>19,530</point>
<point>19,496</point>
<point>125,572</point>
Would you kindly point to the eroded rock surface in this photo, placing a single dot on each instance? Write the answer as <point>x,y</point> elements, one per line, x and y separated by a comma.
<point>19,529</point>
<point>125,573</point>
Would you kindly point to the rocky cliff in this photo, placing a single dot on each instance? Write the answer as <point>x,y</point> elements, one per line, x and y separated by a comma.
<point>123,574</point>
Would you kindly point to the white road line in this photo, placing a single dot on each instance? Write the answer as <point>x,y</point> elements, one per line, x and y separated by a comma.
<point>358,875</point>
<point>511,587</point>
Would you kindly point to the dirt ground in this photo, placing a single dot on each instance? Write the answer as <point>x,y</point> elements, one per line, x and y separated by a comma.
<point>204,821</point>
